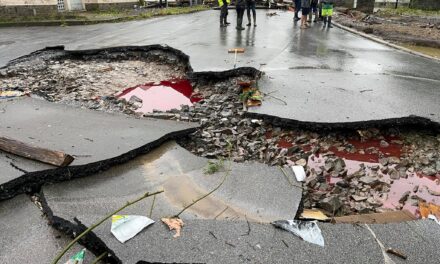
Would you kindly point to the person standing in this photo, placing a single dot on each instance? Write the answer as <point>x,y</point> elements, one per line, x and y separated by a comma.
<point>223,4</point>
<point>240,7</point>
<point>314,10</point>
<point>297,8</point>
<point>305,9</point>
<point>327,12</point>
<point>250,5</point>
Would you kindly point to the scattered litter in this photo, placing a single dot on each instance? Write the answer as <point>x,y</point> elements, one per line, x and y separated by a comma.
<point>10,94</point>
<point>377,218</point>
<point>299,172</point>
<point>314,214</point>
<point>272,14</point>
<point>308,231</point>
<point>125,227</point>
<point>250,96</point>
<point>386,258</point>
<point>432,217</point>
<point>174,223</point>
<point>427,209</point>
<point>396,253</point>
<point>78,258</point>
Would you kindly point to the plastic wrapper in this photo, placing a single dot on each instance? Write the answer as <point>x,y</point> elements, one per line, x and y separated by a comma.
<point>125,227</point>
<point>308,231</point>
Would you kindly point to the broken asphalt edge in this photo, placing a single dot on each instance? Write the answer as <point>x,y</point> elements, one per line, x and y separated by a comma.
<point>32,182</point>
<point>384,42</point>
<point>411,121</point>
<point>90,241</point>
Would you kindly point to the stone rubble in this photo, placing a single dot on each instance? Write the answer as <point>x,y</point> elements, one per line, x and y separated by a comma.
<point>93,84</point>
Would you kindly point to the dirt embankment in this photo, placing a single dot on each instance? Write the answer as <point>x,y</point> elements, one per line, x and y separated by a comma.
<point>401,28</point>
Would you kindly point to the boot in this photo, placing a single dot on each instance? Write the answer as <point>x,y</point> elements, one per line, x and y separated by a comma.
<point>329,25</point>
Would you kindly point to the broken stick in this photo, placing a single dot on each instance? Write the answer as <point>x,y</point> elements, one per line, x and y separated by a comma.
<point>25,150</point>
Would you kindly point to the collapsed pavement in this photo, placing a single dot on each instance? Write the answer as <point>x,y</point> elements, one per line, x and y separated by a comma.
<point>223,121</point>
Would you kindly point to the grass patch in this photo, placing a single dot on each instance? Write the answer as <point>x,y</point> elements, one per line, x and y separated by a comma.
<point>214,166</point>
<point>117,15</point>
<point>406,11</point>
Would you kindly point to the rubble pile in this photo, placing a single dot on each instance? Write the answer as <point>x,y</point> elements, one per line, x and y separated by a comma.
<point>331,184</point>
<point>92,83</point>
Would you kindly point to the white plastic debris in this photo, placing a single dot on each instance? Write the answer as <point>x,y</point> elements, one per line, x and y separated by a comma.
<point>299,172</point>
<point>432,217</point>
<point>125,227</point>
<point>308,231</point>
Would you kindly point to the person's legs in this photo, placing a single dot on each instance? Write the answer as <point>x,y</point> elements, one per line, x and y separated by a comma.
<point>305,13</point>
<point>240,13</point>
<point>226,17</point>
<point>330,14</point>
<point>223,15</point>
<point>254,13</point>
<point>297,8</point>
<point>248,13</point>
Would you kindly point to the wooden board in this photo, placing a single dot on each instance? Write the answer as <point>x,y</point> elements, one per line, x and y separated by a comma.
<point>377,218</point>
<point>238,50</point>
<point>25,150</point>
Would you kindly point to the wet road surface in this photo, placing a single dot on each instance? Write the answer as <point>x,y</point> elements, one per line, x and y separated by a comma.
<point>324,76</point>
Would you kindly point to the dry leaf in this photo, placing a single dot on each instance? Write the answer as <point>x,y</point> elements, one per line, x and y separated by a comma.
<point>174,223</point>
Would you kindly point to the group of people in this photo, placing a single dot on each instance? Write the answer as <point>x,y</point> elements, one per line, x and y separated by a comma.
<point>322,9</point>
<point>240,6</point>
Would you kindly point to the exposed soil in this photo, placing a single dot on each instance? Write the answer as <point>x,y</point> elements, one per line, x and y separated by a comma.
<point>414,30</point>
<point>354,171</point>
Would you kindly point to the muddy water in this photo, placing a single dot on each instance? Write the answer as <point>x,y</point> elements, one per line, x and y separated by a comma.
<point>163,96</point>
<point>390,200</point>
<point>434,52</point>
<point>166,168</point>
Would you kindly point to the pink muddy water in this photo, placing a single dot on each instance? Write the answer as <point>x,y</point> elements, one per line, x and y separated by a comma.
<point>163,96</point>
<point>398,187</point>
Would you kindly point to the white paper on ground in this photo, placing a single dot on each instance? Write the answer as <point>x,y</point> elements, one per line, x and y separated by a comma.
<point>299,172</point>
<point>125,227</point>
<point>307,230</point>
<point>432,217</point>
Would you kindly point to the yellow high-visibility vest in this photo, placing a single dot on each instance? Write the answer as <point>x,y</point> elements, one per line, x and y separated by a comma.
<point>220,2</point>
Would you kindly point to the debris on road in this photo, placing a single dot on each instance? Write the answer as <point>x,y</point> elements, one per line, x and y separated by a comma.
<point>376,218</point>
<point>22,149</point>
<point>396,253</point>
<point>125,227</point>
<point>299,172</point>
<point>427,209</point>
<point>236,50</point>
<point>174,223</point>
<point>10,94</point>
<point>308,231</point>
<point>78,258</point>
<point>313,214</point>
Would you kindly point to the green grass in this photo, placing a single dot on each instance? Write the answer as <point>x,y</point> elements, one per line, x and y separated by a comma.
<point>214,166</point>
<point>406,11</point>
<point>112,14</point>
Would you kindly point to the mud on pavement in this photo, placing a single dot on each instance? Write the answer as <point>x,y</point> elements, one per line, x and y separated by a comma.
<point>360,169</point>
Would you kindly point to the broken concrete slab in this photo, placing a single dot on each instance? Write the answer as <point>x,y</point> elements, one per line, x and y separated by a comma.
<point>26,235</point>
<point>252,191</point>
<point>96,139</point>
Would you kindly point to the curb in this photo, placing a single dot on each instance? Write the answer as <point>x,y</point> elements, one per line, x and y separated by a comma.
<point>381,41</point>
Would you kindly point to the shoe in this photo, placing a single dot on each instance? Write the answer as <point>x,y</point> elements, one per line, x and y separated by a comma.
<point>296,18</point>
<point>315,21</point>
<point>255,25</point>
<point>248,24</point>
<point>227,23</point>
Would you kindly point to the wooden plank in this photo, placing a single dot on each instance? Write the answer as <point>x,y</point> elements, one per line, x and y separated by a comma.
<point>238,50</point>
<point>377,218</point>
<point>25,150</point>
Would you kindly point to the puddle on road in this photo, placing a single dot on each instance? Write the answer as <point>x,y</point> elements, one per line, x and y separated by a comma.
<point>162,96</point>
